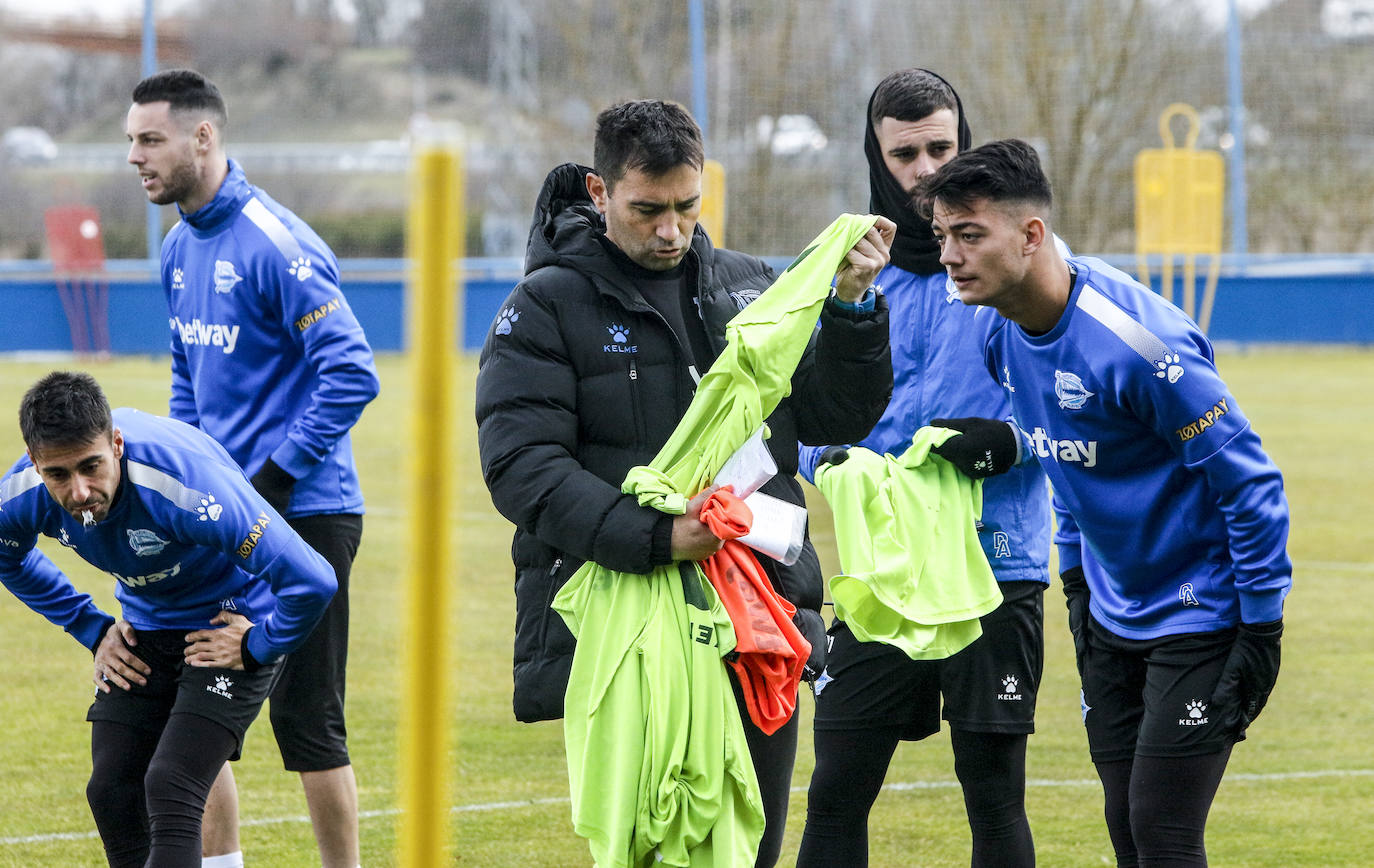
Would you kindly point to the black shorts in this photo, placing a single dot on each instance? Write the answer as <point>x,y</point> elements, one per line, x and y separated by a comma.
<point>307,708</point>
<point>1150,697</point>
<point>990,686</point>
<point>229,697</point>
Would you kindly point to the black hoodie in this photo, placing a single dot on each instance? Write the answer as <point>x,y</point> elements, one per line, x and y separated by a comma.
<point>914,249</point>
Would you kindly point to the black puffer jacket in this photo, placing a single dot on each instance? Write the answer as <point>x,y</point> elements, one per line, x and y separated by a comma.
<point>582,379</point>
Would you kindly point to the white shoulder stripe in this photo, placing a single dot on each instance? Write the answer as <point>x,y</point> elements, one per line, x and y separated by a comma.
<point>155,480</point>
<point>273,228</point>
<point>19,483</point>
<point>1133,334</point>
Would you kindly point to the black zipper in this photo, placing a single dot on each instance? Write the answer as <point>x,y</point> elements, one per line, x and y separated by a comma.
<point>548,601</point>
<point>637,406</point>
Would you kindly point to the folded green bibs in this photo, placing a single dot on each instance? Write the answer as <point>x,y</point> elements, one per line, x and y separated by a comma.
<point>914,575</point>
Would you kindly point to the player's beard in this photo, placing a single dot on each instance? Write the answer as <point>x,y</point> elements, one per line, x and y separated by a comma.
<point>177,185</point>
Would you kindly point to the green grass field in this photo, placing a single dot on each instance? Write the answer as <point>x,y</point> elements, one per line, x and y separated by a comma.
<point>1299,792</point>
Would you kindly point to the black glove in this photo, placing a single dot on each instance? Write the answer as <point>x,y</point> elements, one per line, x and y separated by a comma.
<point>274,484</point>
<point>1248,675</point>
<point>983,448</point>
<point>1076,597</point>
<point>833,455</point>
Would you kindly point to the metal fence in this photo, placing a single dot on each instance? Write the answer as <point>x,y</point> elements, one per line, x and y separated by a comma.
<point>785,85</point>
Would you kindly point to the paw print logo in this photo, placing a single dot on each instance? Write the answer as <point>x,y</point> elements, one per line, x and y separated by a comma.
<point>209,510</point>
<point>178,279</point>
<point>505,319</point>
<point>619,333</point>
<point>1195,707</point>
<point>1168,368</point>
<point>1009,682</point>
<point>300,267</point>
<point>222,682</point>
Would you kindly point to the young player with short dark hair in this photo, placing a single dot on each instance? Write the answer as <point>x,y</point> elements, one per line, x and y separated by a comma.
<point>1172,520</point>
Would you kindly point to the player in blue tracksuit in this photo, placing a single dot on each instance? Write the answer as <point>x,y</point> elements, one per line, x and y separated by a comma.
<point>269,360</point>
<point>1173,523</point>
<point>872,695</point>
<point>213,585</point>
<point>267,356</point>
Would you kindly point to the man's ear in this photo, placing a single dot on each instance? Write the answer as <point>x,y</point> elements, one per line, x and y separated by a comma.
<point>1033,235</point>
<point>205,136</point>
<point>117,439</point>
<point>596,188</point>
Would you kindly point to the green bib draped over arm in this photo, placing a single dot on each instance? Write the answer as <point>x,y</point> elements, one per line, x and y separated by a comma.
<point>657,761</point>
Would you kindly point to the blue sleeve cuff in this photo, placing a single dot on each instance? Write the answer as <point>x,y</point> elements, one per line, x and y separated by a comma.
<point>1263,606</point>
<point>866,303</point>
<point>807,456</point>
<point>261,655</point>
<point>91,628</point>
<point>1070,556</point>
<point>293,459</point>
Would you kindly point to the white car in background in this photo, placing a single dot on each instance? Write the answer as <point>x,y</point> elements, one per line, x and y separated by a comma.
<point>27,146</point>
<point>790,135</point>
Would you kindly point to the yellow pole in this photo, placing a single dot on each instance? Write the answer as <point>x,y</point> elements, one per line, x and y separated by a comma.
<point>435,241</point>
<point>712,217</point>
<point>1189,285</point>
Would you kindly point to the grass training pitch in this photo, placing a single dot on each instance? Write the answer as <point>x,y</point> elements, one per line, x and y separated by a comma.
<point>1299,791</point>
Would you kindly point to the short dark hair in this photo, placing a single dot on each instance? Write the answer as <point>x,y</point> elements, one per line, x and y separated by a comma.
<point>911,95</point>
<point>651,135</point>
<point>1007,170</point>
<point>186,90</point>
<point>65,408</point>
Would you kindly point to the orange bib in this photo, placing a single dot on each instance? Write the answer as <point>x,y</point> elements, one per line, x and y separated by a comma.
<point>770,652</point>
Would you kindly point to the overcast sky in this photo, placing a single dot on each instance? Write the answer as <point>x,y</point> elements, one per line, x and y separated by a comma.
<point>1213,10</point>
<point>75,8</point>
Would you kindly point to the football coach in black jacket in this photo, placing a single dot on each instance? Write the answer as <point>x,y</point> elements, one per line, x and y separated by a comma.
<point>593,360</point>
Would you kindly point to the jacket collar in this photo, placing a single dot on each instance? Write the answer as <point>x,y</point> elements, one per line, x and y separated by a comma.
<point>228,201</point>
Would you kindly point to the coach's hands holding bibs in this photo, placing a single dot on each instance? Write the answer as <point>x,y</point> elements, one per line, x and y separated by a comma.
<point>983,447</point>
<point>1249,675</point>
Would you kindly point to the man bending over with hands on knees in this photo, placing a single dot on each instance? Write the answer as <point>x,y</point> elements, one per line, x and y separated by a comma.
<point>214,587</point>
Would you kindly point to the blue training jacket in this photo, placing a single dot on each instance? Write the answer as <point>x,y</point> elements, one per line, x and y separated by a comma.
<point>938,374</point>
<point>187,536</point>
<point>1161,489</point>
<point>267,356</point>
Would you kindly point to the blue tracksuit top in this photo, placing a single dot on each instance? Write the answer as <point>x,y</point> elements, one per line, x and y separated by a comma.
<point>938,372</point>
<point>267,356</point>
<point>1161,489</point>
<point>186,537</point>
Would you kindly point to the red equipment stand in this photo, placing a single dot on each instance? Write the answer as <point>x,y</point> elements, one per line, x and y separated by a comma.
<point>77,249</point>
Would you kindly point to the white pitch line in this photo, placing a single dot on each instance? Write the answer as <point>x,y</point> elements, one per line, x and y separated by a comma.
<point>480,807</point>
